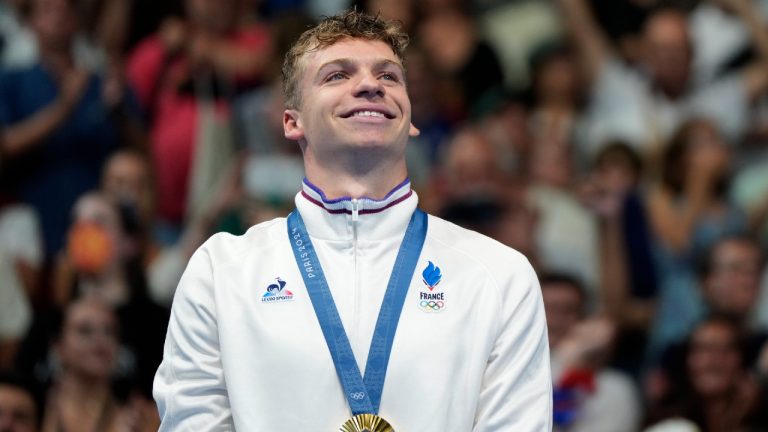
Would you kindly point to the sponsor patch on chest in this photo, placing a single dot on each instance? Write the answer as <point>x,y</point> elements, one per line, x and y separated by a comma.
<point>277,292</point>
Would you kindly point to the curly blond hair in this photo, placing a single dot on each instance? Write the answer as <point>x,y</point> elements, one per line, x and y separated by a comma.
<point>347,25</point>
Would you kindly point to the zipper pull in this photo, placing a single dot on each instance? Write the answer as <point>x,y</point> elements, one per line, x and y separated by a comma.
<point>355,209</point>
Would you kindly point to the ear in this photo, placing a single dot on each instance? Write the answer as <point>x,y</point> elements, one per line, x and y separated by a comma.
<point>292,127</point>
<point>413,132</point>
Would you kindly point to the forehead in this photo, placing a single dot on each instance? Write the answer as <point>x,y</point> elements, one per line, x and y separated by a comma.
<point>735,249</point>
<point>359,51</point>
<point>87,311</point>
<point>713,331</point>
<point>126,163</point>
<point>667,27</point>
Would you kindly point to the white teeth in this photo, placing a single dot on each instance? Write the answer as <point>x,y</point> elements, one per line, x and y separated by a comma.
<point>368,114</point>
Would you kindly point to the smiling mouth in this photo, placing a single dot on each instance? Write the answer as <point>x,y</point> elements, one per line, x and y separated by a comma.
<point>368,114</point>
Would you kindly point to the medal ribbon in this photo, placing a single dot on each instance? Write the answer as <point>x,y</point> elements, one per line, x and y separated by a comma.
<point>363,394</point>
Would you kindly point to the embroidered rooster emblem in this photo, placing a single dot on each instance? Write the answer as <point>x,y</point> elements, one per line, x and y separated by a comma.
<point>277,288</point>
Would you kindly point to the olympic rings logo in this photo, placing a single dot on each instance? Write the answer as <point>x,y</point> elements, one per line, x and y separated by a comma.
<point>430,305</point>
<point>357,395</point>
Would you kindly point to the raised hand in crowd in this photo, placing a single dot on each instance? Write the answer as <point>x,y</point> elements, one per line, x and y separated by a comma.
<point>20,137</point>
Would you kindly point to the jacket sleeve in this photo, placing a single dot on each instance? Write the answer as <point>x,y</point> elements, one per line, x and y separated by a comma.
<point>516,393</point>
<point>189,386</point>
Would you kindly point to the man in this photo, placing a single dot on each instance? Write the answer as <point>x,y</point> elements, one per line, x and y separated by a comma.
<point>244,349</point>
<point>18,408</point>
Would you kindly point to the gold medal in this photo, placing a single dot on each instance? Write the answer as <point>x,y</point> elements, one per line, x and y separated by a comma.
<point>366,423</point>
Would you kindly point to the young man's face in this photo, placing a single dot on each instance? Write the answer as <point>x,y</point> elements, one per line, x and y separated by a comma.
<point>353,96</point>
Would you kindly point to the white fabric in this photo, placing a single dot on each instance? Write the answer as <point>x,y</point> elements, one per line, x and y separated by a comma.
<point>164,273</point>
<point>20,234</point>
<point>15,311</point>
<point>20,45</point>
<point>232,361</point>
<point>515,29</point>
<point>717,37</point>
<point>624,106</point>
<point>566,237</point>
<point>19,240</point>
<point>673,425</point>
<point>19,49</point>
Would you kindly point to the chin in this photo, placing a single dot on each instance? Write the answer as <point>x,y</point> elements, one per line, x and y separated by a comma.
<point>371,142</point>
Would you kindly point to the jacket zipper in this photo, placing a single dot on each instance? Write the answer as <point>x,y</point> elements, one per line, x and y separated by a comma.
<point>355,294</point>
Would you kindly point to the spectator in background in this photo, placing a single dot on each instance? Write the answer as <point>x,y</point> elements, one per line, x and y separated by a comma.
<point>613,193</point>
<point>711,386</point>
<point>472,189</point>
<point>588,396</point>
<point>185,77</point>
<point>58,123</point>
<point>101,262</point>
<point>18,405</point>
<point>688,212</point>
<point>468,63</point>
<point>556,95</point>
<point>127,182</point>
<point>507,125</point>
<point>644,105</point>
<point>471,168</point>
<point>628,284</point>
<point>427,113</point>
<point>81,395</point>
<point>567,229</point>
<point>729,277</point>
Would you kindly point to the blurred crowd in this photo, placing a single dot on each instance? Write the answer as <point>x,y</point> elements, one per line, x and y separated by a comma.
<point>621,145</point>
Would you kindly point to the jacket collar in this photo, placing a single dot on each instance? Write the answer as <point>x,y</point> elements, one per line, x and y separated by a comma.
<point>363,218</point>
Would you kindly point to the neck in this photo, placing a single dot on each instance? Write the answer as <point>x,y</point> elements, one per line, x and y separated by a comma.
<point>357,178</point>
<point>56,60</point>
<point>83,389</point>
<point>719,412</point>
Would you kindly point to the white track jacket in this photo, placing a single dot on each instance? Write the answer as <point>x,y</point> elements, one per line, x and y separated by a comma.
<point>244,350</point>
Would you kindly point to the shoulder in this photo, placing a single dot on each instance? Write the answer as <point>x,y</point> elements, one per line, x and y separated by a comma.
<point>226,247</point>
<point>10,77</point>
<point>482,252</point>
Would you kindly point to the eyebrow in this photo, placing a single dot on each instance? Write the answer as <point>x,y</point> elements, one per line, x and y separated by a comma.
<point>346,62</point>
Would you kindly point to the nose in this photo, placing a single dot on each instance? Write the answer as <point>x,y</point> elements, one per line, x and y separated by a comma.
<point>368,85</point>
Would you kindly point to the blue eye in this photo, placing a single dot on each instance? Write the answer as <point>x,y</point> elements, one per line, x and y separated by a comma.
<point>389,77</point>
<point>335,76</point>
